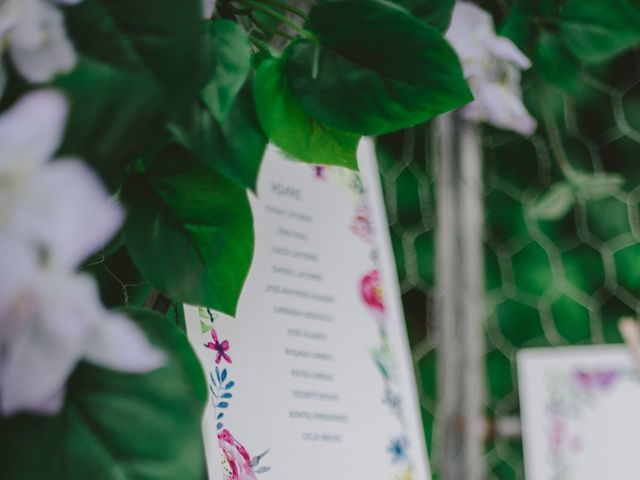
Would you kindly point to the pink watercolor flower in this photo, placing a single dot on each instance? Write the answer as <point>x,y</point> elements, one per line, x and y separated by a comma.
<point>372,292</point>
<point>219,347</point>
<point>236,460</point>
<point>360,224</point>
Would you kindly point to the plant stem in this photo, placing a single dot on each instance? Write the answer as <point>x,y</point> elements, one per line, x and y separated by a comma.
<point>260,44</point>
<point>286,7</point>
<point>268,29</point>
<point>555,141</point>
<point>278,16</point>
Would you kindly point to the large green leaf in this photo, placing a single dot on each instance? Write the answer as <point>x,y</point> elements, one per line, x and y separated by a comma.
<point>436,13</point>
<point>373,68</point>
<point>114,114</point>
<point>235,147</point>
<point>289,127</point>
<point>599,29</point>
<point>189,230</point>
<point>115,425</point>
<point>162,38</point>
<point>554,62</point>
<point>231,54</point>
<point>517,26</point>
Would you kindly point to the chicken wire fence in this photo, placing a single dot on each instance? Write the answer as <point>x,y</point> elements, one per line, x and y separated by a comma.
<point>560,281</point>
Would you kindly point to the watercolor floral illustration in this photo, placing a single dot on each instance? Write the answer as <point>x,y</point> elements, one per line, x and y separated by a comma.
<point>595,380</point>
<point>220,347</point>
<point>371,294</point>
<point>572,394</point>
<point>360,224</point>
<point>237,463</point>
<point>320,172</point>
<point>235,458</point>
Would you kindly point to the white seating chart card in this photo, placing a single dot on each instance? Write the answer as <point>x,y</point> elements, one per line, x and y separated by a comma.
<point>313,379</point>
<point>580,409</point>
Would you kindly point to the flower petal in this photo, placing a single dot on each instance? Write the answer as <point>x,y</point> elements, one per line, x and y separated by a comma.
<point>31,131</point>
<point>491,65</point>
<point>67,210</point>
<point>208,7</point>
<point>116,342</point>
<point>7,18</point>
<point>41,49</point>
<point>25,17</point>
<point>18,266</point>
<point>500,107</point>
<point>40,359</point>
<point>505,49</point>
<point>470,32</point>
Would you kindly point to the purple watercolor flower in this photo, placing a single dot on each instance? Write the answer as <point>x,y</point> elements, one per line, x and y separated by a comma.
<point>319,172</point>
<point>594,380</point>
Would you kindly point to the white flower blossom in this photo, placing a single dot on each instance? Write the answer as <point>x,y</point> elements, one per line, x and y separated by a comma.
<point>492,67</point>
<point>33,33</point>
<point>53,214</point>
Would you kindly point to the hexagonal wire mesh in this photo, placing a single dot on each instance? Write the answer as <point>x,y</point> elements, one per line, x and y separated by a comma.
<point>559,282</point>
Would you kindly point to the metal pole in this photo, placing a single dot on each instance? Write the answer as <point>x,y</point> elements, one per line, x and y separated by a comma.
<point>460,291</point>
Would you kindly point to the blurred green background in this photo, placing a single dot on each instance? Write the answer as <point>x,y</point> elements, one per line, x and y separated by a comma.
<point>565,281</point>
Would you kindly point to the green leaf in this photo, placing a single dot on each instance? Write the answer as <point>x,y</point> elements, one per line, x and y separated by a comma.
<point>233,148</point>
<point>379,69</point>
<point>436,13</point>
<point>596,30</point>
<point>231,52</point>
<point>114,115</point>
<point>289,127</point>
<point>189,230</point>
<point>115,425</point>
<point>597,186</point>
<point>553,204</point>
<point>517,26</point>
<point>160,38</point>
<point>554,62</point>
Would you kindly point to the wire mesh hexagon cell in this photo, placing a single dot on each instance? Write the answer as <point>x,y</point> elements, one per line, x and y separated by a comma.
<point>559,281</point>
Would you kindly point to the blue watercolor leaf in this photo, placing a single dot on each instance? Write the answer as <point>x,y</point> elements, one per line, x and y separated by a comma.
<point>218,426</point>
<point>226,395</point>
<point>229,385</point>
<point>255,461</point>
<point>223,377</point>
<point>218,375</point>
<point>223,405</point>
<point>213,380</point>
<point>220,415</point>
